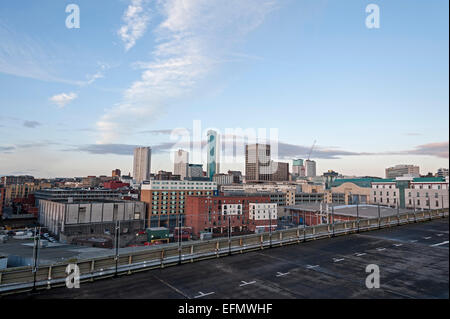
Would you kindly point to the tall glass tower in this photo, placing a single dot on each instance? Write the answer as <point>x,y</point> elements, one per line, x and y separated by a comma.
<point>213,158</point>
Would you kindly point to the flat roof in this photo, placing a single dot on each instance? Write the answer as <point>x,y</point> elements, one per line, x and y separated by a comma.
<point>363,210</point>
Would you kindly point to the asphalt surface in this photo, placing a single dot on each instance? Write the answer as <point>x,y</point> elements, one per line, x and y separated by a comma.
<point>413,261</point>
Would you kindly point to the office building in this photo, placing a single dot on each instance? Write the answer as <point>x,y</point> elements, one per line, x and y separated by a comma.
<point>116,173</point>
<point>258,163</point>
<point>166,176</point>
<point>181,163</point>
<point>213,155</point>
<point>282,172</point>
<point>402,170</point>
<point>195,171</point>
<point>223,179</point>
<point>166,200</point>
<point>310,168</point>
<point>142,164</point>
<point>237,176</point>
<point>14,180</point>
<point>297,166</point>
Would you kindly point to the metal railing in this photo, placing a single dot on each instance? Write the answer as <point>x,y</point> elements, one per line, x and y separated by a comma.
<point>21,279</point>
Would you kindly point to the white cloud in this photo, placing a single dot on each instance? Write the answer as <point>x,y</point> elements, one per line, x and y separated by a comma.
<point>63,99</point>
<point>193,39</point>
<point>136,18</point>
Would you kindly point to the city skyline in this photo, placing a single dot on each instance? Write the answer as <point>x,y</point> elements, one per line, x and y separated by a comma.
<point>82,99</point>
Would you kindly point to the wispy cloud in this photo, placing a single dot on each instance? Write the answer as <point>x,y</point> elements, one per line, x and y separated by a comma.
<point>286,151</point>
<point>136,19</point>
<point>31,124</point>
<point>193,38</point>
<point>5,149</point>
<point>439,149</point>
<point>63,99</point>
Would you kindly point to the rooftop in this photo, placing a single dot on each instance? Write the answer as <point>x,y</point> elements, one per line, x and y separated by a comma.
<point>328,268</point>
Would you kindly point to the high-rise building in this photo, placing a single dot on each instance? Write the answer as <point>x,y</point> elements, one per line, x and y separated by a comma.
<point>166,200</point>
<point>310,168</point>
<point>402,170</point>
<point>282,172</point>
<point>142,164</point>
<point>297,165</point>
<point>195,170</point>
<point>258,163</point>
<point>180,164</point>
<point>213,155</point>
<point>116,173</point>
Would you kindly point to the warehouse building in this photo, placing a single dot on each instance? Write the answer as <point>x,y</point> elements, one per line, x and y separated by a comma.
<point>79,219</point>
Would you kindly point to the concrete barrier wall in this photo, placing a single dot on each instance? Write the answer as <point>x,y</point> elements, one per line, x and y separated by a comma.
<point>22,278</point>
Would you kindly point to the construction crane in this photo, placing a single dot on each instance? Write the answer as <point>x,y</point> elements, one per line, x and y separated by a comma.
<point>312,147</point>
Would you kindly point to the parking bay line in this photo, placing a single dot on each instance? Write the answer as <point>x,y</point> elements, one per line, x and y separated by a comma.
<point>440,244</point>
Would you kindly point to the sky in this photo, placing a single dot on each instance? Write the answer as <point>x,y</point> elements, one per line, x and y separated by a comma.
<point>76,101</point>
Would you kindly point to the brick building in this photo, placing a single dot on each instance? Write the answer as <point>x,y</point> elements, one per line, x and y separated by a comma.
<point>244,214</point>
<point>166,200</point>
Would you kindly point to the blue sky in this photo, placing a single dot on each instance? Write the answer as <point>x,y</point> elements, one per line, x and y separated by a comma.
<point>75,101</point>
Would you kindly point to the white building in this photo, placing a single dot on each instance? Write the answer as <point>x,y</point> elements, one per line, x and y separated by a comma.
<point>310,168</point>
<point>402,170</point>
<point>385,193</point>
<point>142,164</point>
<point>180,163</point>
<point>427,193</point>
<point>232,209</point>
<point>223,179</point>
<point>263,211</point>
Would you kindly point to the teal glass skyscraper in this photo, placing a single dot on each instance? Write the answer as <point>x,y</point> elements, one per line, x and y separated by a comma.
<point>213,159</point>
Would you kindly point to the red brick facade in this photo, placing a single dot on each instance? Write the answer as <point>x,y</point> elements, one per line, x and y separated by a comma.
<point>205,214</point>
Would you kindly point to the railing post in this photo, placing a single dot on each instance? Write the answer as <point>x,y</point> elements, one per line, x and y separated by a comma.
<point>49,277</point>
<point>92,269</point>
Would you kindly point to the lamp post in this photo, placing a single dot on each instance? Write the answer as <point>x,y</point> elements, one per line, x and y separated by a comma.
<point>304,225</point>
<point>116,256</point>
<point>270,229</point>
<point>332,217</point>
<point>357,214</point>
<point>229,235</point>
<point>37,235</point>
<point>379,217</point>
<point>179,238</point>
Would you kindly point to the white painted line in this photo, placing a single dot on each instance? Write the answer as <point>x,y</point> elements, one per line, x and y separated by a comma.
<point>311,266</point>
<point>381,249</point>
<point>336,260</point>
<point>203,295</point>
<point>440,244</point>
<point>398,245</point>
<point>427,238</point>
<point>360,254</point>
<point>280,274</point>
<point>244,283</point>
